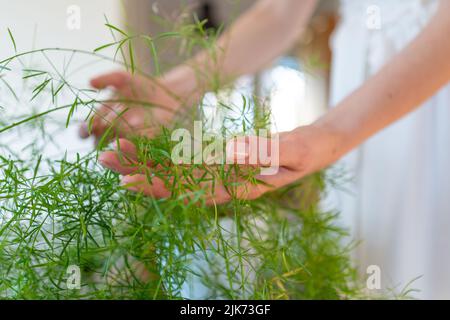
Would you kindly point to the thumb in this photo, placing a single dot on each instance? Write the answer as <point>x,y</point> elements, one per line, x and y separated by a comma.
<point>253,150</point>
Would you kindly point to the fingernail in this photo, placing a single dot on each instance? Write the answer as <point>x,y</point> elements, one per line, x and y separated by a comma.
<point>127,184</point>
<point>126,180</point>
<point>83,130</point>
<point>104,161</point>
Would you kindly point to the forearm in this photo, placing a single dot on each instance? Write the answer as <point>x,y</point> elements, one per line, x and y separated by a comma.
<point>414,75</point>
<point>261,34</point>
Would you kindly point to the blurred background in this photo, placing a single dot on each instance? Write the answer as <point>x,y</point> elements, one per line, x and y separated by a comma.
<point>297,86</point>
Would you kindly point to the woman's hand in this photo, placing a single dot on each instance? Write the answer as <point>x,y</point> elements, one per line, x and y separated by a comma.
<point>260,35</point>
<point>301,152</point>
<point>143,104</point>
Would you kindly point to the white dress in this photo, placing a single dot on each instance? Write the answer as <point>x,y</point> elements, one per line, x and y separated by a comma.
<point>398,201</point>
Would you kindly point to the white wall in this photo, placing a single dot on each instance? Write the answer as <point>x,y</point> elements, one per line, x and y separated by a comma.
<point>44,23</point>
<point>48,20</point>
<point>47,23</point>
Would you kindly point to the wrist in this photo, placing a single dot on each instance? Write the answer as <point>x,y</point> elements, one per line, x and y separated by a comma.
<point>329,142</point>
<point>319,146</point>
<point>182,82</point>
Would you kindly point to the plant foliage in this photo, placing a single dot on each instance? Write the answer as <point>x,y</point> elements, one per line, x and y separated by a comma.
<point>61,211</point>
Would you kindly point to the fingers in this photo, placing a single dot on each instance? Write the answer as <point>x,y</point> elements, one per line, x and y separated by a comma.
<point>150,131</point>
<point>105,118</point>
<point>112,161</point>
<point>253,150</point>
<point>118,80</point>
<point>84,130</point>
<point>214,194</point>
<point>123,160</point>
<point>157,189</point>
<point>139,183</point>
<point>249,190</point>
<point>280,150</point>
<point>126,147</point>
<point>100,122</point>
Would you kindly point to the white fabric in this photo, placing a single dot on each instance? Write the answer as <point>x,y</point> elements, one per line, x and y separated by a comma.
<point>399,199</point>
